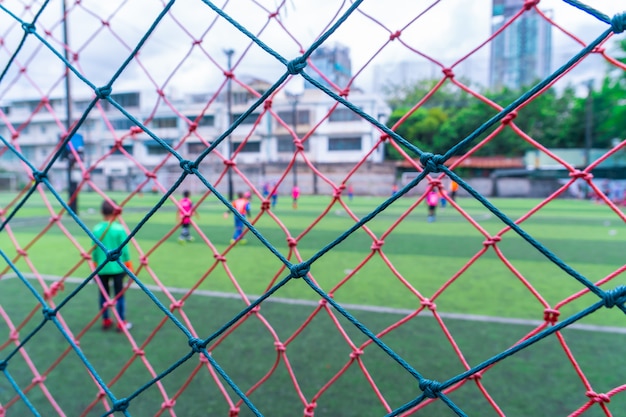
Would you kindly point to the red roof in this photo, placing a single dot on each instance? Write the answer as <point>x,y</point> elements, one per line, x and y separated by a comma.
<point>483,162</point>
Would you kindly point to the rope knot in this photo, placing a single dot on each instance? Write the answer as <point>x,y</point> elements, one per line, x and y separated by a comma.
<point>103,92</point>
<point>113,255</point>
<point>135,130</point>
<point>121,405</point>
<point>477,375</point>
<point>55,218</point>
<point>14,335</point>
<point>337,192</point>
<point>430,162</point>
<point>509,118</point>
<point>265,205</point>
<point>193,127</point>
<point>299,270</point>
<point>15,135</point>
<point>309,410</point>
<point>430,388</point>
<point>143,260</point>
<point>150,175</point>
<point>296,66</point>
<point>176,305</point>
<point>39,176</point>
<point>298,144</point>
<point>273,15</point>
<point>356,353</point>
<point>580,174</point>
<point>139,352</point>
<point>54,289</point>
<point>618,22</point>
<point>49,313</point>
<point>377,244</point>
<point>168,404</point>
<point>435,183</point>
<point>160,92</point>
<point>384,137</point>
<point>448,72</point>
<point>395,35</point>
<point>21,252</point>
<point>344,93</point>
<point>598,398</point>
<point>280,347</point>
<point>551,316</point>
<point>428,304</point>
<point>529,4</point>
<point>267,104</point>
<point>228,74</point>
<point>615,297</point>
<point>38,379</point>
<point>229,163</point>
<point>598,50</point>
<point>29,28</point>
<point>323,302</point>
<point>233,412</point>
<point>197,42</point>
<point>292,242</point>
<point>188,166</point>
<point>492,241</point>
<point>196,344</point>
<point>219,257</point>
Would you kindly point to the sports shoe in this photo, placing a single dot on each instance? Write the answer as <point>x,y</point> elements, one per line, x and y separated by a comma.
<point>106,324</point>
<point>124,325</point>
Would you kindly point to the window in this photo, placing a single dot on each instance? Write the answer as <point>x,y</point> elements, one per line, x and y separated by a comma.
<point>287,117</point>
<point>196,147</point>
<point>206,120</point>
<point>250,120</point>
<point>344,144</point>
<point>127,148</point>
<point>164,122</point>
<point>126,99</point>
<point>343,114</point>
<point>122,124</point>
<point>154,148</point>
<point>285,144</point>
<point>248,147</point>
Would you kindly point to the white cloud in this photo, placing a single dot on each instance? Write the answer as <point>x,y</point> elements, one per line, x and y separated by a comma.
<point>444,32</point>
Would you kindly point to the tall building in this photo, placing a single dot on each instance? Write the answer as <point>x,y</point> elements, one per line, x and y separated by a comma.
<point>334,62</point>
<point>522,53</point>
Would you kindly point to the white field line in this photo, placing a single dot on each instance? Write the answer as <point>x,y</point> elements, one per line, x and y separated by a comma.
<point>356,307</point>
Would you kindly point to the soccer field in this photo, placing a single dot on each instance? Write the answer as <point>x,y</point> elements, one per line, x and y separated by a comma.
<point>418,262</point>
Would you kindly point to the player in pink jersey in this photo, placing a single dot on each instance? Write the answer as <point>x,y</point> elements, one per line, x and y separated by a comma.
<point>185,210</point>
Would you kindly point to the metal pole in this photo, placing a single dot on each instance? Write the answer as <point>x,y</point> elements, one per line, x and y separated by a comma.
<point>588,123</point>
<point>71,185</point>
<point>229,53</point>
<point>295,130</point>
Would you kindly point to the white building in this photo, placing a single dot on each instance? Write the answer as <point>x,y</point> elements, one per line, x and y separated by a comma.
<point>189,124</point>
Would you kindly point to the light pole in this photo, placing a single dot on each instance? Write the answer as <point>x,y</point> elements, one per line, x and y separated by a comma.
<point>229,94</point>
<point>588,122</point>
<point>71,184</point>
<point>293,99</point>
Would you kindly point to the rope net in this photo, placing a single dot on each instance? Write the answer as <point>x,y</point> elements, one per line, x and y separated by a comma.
<point>178,362</point>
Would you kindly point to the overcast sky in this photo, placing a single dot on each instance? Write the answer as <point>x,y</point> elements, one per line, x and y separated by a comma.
<point>446,31</point>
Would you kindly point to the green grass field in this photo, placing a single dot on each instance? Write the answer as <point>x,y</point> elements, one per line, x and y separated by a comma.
<point>540,380</point>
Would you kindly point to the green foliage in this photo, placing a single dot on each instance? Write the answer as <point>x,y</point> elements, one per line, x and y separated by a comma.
<point>437,121</point>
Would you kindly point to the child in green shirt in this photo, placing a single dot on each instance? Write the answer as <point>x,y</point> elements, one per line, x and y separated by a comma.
<point>111,233</point>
